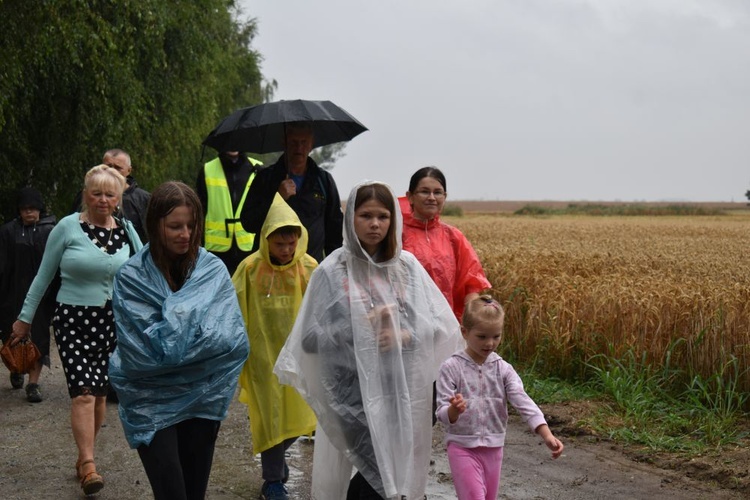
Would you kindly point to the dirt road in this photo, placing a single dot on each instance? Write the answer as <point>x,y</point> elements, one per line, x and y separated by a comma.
<point>37,457</point>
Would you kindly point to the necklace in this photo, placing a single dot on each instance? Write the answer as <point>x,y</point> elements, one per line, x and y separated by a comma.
<point>92,227</point>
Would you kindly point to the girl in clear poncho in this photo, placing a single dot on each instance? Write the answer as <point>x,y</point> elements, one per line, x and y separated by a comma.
<point>366,346</point>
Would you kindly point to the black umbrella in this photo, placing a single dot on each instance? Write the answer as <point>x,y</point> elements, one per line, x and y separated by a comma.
<point>260,129</point>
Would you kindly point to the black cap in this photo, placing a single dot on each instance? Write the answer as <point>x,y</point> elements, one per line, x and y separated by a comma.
<point>30,197</point>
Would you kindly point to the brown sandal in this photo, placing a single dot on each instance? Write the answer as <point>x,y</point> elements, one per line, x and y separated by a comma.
<point>91,482</point>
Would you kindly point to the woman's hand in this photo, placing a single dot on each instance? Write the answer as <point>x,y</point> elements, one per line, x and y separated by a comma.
<point>381,318</point>
<point>387,339</point>
<point>20,331</point>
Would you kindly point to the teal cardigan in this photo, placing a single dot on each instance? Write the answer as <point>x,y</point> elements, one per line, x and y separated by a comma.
<point>87,272</point>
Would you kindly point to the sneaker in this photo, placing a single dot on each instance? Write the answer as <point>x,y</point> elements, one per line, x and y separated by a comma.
<point>16,380</point>
<point>33,393</point>
<point>274,491</point>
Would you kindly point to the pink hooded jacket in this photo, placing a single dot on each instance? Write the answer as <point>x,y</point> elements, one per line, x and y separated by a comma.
<point>487,389</point>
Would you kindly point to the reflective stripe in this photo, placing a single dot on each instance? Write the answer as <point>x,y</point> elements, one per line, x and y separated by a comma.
<point>221,224</point>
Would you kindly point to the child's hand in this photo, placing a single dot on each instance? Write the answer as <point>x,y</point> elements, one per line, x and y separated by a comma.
<point>457,407</point>
<point>458,403</point>
<point>555,445</point>
<point>550,440</point>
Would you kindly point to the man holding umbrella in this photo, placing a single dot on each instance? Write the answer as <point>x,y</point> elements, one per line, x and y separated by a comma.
<point>294,127</point>
<point>307,188</point>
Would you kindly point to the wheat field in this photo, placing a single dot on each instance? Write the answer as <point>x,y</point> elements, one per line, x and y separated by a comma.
<point>671,289</point>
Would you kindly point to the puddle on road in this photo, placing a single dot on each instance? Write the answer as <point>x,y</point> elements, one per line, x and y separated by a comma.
<point>439,484</point>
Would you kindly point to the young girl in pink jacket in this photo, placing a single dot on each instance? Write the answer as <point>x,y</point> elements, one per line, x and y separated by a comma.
<point>474,389</point>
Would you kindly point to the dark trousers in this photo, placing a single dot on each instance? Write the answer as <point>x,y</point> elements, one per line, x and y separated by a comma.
<point>360,489</point>
<point>178,460</point>
<point>273,460</point>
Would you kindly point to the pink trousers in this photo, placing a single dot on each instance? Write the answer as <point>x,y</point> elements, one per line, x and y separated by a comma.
<point>476,471</point>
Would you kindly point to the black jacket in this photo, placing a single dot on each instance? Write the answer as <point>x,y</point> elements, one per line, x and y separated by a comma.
<point>21,251</point>
<point>317,205</point>
<point>134,204</point>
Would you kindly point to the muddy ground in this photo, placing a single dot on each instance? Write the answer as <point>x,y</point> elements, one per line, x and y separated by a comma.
<point>37,457</point>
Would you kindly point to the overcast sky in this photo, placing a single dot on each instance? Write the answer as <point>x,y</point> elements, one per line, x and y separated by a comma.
<point>632,100</point>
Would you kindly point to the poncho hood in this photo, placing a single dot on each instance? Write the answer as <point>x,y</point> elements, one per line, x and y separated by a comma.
<point>279,215</point>
<point>352,243</point>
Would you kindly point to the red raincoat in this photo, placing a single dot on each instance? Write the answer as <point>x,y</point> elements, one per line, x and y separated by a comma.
<point>447,255</point>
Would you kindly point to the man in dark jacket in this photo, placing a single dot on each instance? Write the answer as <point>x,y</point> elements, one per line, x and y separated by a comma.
<point>22,243</point>
<point>307,188</point>
<point>134,199</point>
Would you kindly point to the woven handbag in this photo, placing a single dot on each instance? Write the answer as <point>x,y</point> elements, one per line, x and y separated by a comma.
<point>20,358</point>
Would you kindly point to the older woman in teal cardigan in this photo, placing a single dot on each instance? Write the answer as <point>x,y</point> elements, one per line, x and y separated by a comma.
<point>88,248</point>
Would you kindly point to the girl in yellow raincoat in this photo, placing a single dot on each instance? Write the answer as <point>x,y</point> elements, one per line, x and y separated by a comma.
<point>270,284</point>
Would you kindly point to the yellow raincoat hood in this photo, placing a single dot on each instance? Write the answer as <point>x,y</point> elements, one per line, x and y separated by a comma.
<point>279,215</point>
<point>270,296</point>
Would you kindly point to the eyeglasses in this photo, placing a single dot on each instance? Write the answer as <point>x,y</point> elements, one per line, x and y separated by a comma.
<point>426,194</point>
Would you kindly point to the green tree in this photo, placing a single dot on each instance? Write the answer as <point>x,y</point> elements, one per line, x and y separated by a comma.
<point>327,156</point>
<point>150,76</point>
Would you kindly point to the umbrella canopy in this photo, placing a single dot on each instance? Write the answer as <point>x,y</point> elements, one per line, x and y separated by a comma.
<point>260,129</point>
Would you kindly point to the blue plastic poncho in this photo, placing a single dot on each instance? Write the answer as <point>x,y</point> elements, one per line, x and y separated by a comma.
<point>178,353</point>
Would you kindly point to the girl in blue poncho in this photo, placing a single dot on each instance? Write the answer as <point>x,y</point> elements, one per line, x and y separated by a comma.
<point>181,345</point>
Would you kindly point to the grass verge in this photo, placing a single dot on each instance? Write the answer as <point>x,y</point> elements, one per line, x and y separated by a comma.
<point>657,408</point>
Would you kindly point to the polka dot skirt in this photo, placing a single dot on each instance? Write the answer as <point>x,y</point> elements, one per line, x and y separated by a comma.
<point>85,336</point>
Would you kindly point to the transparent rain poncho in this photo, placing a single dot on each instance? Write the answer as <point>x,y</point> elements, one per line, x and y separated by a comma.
<point>365,349</point>
<point>178,353</point>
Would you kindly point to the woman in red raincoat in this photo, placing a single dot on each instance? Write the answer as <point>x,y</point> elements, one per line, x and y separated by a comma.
<point>443,250</point>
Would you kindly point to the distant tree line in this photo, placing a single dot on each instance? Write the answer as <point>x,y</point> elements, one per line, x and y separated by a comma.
<point>152,77</point>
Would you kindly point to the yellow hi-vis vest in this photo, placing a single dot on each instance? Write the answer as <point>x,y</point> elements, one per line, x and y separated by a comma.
<point>221,224</point>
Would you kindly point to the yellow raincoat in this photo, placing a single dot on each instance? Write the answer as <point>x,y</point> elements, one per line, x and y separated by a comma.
<point>270,296</point>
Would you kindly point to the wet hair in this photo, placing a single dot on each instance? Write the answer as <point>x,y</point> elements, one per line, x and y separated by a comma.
<point>164,199</point>
<point>286,231</point>
<point>298,127</point>
<point>105,178</point>
<point>483,309</point>
<point>381,194</point>
<point>423,172</point>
